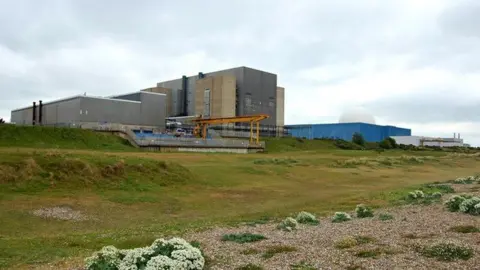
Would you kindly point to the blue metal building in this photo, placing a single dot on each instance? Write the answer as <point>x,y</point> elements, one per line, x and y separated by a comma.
<point>345,131</point>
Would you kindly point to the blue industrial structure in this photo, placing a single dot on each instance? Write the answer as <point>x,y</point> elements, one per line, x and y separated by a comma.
<point>345,131</point>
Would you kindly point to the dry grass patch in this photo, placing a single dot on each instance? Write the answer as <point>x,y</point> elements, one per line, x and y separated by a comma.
<point>464,229</point>
<point>273,250</point>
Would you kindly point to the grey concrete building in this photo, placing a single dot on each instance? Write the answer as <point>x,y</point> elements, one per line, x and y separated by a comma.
<point>143,109</point>
<point>252,91</point>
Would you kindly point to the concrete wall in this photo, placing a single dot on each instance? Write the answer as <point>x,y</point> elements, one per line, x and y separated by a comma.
<point>280,106</point>
<point>222,96</point>
<point>168,97</point>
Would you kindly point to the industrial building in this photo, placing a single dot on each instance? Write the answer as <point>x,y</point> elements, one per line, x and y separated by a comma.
<point>345,131</point>
<point>353,121</point>
<point>142,109</point>
<point>430,141</point>
<point>225,93</point>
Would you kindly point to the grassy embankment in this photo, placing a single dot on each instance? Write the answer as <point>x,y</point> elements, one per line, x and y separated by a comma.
<point>131,197</point>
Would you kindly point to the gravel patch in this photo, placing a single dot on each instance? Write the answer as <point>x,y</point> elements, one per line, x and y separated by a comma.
<point>60,212</point>
<point>394,244</point>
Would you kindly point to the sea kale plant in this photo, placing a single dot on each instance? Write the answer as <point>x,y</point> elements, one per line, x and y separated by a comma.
<point>341,217</point>
<point>454,202</point>
<point>175,253</point>
<point>417,194</point>
<point>289,224</point>
<point>470,206</point>
<point>306,218</point>
<point>363,211</point>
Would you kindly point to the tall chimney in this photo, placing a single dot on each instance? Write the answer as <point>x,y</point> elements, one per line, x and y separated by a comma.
<point>40,114</point>
<point>34,113</point>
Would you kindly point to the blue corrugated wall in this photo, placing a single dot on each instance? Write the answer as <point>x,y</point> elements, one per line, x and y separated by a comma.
<point>345,131</point>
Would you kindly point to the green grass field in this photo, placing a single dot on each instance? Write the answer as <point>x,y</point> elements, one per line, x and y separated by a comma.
<point>132,197</point>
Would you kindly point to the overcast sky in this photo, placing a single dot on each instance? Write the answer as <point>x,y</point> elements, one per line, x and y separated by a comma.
<point>412,63</point>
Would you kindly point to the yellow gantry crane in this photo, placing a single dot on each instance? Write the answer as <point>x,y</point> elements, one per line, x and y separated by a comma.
<point>201,124</point>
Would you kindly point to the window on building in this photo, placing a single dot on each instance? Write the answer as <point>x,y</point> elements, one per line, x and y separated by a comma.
<point>206,103</point>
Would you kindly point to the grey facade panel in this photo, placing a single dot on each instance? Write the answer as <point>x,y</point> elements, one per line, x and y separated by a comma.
<point>110,111</point>
<point>132,97</point>
<point>22,117</point>
<point>152,111</point>
<point>64,112</point>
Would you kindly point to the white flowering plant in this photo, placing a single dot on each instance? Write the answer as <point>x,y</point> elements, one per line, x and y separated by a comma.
<point>470,206</point>
<point>307,218</point>
<point>175,253</point>
<point>341,217</point>
<point>454,202</point>
<point>289,224</point>
<point>363,211</point>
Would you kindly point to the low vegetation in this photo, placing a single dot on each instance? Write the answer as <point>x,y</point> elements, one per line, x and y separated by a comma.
<point>174,253</point>
<point>307,218</point>
<point>302,266</point>
<point>464,203</point>
<point>289,224</point>
<point>375,252</point>
<point>65,138</point>
<point>341,217</point>
<point>242,238</point>
<point>447,251</point>
<point>250,266</point>
<point>385,217</point>
<point>352,241</point>
<point>363,211</point>
<point>465,229</point>
<point>276,161</point>
<point>273,250</point>
<point>382,161</point>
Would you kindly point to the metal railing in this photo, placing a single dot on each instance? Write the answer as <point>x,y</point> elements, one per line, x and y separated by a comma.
<point>196,142</point>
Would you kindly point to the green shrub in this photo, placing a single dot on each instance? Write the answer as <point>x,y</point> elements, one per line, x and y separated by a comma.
<point>363,211</point>
<point>341,217</point>
<point>357,138</point>
<point>465,180</point>
<point>386,144</point>
<point>307,218</point>
<point>385,217</point>
<point>465,229</point>
<point>454,202</point>
<point>289,224</point>
<point>470,206</point>
<point>447,251</point>
<point>243,237</point>
<point>346,145</point>
<point>444,188</point>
